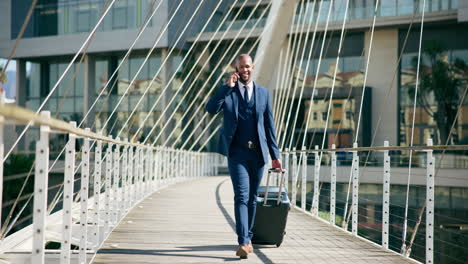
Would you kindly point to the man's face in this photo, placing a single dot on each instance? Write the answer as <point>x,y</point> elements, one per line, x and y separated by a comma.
<point>245,69</point>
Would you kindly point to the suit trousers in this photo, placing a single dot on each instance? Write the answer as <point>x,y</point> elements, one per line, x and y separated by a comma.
<point>246,170</point>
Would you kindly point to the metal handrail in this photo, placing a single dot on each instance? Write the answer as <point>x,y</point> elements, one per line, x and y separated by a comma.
<point>24,116</point>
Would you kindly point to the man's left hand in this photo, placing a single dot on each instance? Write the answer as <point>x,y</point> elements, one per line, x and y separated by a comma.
<point>276,164</point>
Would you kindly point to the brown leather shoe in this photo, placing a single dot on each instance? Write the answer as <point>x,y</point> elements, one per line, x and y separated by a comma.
<point>250,247</point>
<point>243,251</point>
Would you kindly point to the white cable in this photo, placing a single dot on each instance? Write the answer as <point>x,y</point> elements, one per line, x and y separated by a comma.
<point>209,77</point>
<point>277,90</point>
<point>316,74</point>
<point>142,65</point>
<point>192,69</point>
<point>210,137</point>
<point>91,34</point>
<point>200,135</point>
<point>287,64</point>
<point>111,78</point>
<point>289,73</point>
<point>334,75</point>
<point>362,97</point>
<point>157,73</point>
<point>292,73</point>
<point>306,69</point>
<point>206,113</point>
<point>405,220</point>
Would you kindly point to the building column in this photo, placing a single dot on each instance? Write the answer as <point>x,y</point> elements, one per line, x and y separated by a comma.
<point>382,65</point>
<point>275,34</point>
<point>89,88</point>
<point>21,83</point>
<point>166,74</point>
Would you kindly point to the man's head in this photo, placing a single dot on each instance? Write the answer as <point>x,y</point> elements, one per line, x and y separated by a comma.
<point>245,68</point>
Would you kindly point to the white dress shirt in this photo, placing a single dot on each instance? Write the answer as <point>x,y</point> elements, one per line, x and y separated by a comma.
<point>249,88</point>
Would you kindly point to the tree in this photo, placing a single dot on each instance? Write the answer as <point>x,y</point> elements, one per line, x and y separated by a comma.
<point>440,85</point>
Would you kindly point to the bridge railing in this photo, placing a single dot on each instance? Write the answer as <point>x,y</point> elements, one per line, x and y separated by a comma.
<point>380,200</point>
<point>101,183</point>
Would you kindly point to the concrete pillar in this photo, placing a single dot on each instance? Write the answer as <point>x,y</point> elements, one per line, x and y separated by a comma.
<point>166,74</point>
<point>21,83</point>
<point>89,92</point>
<point>382,65</point>
<point>275,34</point>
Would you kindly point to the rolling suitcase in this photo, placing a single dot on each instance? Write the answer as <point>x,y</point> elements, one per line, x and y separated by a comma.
<point>272,213</point>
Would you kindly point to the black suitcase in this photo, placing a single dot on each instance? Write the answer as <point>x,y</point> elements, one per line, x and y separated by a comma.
<point>272,213</point>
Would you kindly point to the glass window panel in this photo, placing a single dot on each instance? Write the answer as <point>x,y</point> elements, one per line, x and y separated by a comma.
<point>101,75</point>
<point>33,71</point>
<point>51,105</point>
<point>146,7</point>
<point>66,105</point>
<point>32,104</point>
<point>119,15</point>
<point>132,14</point>
<point>53,77</point>
<point>65,86</point>
<point>133,102</point>
<point>83,18</point>
<point>79,81</point>
<point>388,8</point>
<point>79,107</point>
<point>405,7</point>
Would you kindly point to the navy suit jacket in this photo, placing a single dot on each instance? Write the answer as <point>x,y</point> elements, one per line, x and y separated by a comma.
<point>227,99</point>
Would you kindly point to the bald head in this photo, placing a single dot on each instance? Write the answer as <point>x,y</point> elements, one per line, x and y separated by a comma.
<point>242,57</point>
<point>245,68</point>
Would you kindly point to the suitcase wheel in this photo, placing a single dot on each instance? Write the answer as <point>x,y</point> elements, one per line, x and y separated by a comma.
<point>278,245</point>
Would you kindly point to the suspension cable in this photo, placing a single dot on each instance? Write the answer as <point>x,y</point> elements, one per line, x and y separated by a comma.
<point>191,70</point>
<point>293,74</point>
<point>90,36</point>
<point>206,82</point>
<point>405,221</point>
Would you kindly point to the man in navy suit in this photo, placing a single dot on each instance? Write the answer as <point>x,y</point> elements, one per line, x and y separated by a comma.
<point>248,135</point>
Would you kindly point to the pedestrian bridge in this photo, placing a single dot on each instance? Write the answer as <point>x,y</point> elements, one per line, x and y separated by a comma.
<point>105,197</point>
<point>193,222</point>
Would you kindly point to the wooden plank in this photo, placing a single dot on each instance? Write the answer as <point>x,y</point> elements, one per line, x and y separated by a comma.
<point>193,222</point>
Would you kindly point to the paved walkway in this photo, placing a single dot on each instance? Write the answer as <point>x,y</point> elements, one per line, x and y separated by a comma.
<point>193,222</point>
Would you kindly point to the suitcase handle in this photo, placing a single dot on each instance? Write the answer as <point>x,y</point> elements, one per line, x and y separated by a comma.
<point>282,171</point>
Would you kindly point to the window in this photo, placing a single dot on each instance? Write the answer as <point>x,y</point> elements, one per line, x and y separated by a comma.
<point>324,116</point>
<point>349,115</point>
<point>315,115</point>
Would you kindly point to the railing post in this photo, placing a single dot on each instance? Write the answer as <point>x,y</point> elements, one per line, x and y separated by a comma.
<point>84,198</point>
<point>97,192</point>
<point>131,177</point>
<point>355,199</point>
<point>315,201</point>
<point>124,177</point>
<point>286,165</point>
<point>2,154</point>
<point>386,197</point>
<point>40,193</point>
<point>67,197</point>
<point>430,205</point>
<point>115,185</point>
<point>294,178</point>
<point>333,186</point>
<point>157,168</point>
<point>108,188</point>
<point>139,172</point>
<point>304,179</point>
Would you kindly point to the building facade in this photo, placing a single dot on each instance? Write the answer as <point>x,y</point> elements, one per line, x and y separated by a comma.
<point>59,27</point>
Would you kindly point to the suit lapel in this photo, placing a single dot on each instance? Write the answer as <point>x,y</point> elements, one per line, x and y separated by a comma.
<point>235,101</point>
<point>257,101</point>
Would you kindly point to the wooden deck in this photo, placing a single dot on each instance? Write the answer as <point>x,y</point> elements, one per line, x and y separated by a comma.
<point>193,222</point>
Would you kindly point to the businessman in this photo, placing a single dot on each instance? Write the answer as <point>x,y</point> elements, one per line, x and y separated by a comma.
<point>248,135</point>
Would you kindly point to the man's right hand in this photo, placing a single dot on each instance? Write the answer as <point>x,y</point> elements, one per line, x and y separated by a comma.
<point>233,79</point>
